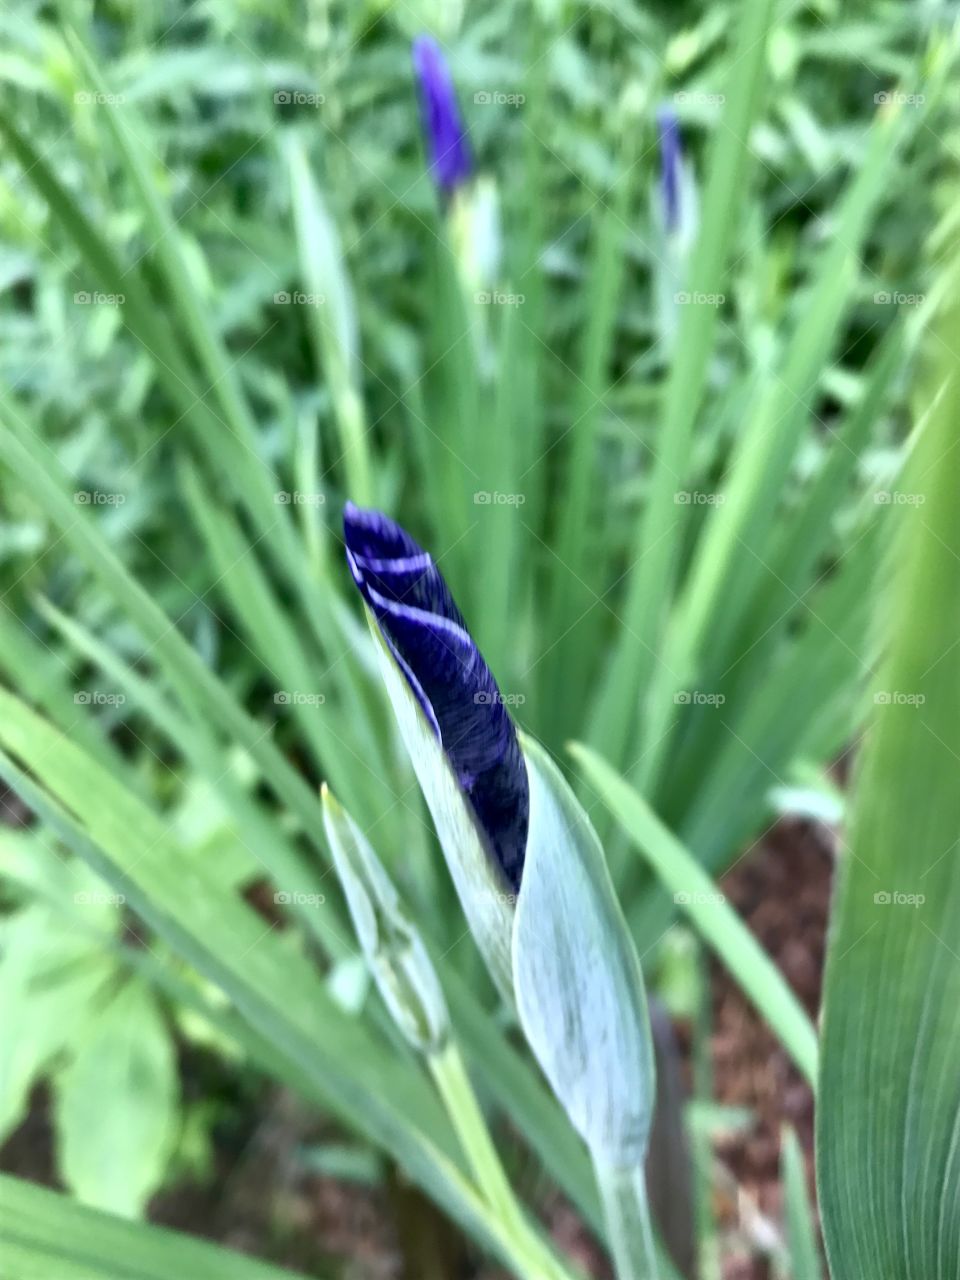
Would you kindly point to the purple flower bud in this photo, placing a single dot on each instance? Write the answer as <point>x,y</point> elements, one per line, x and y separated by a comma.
<point>429,639</point>
<point>668,127</point>
<point>450,159</point>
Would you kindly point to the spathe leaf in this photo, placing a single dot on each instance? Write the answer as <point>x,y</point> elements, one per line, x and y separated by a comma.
<point>487,900</point>
<point>577,978</point>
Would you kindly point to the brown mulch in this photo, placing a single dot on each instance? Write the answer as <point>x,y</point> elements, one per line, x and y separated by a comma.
<point>782,891</point>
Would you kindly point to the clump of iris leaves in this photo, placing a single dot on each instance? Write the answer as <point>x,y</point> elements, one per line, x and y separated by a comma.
<point>631,323</point>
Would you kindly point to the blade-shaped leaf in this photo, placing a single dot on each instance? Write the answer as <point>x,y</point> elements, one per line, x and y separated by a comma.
<point>888,1139</point>
<point>45,1235</point>
<point>800,1231</point>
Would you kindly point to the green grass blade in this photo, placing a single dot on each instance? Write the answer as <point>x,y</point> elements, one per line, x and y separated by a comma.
<point>731,552</point>
<point>767,446</point>
<point>801,539</point>
<point>254,826</point>
<point>499,525</point>
<point>199,688</point>
<point>717,922</point>
<point>43,675</point>
<point>659,531</point>
<point>455,399</point>
<point>570,614</point>
<point>219,439</point>
<point>307,682</point>
<point>44,1234</point>
<point>76,779</point>
<point>129,137</point>
<point>333,319</point>
<point>720,807</point>
<point>789,595</point>
<point>772,727</point>
<point>766,727</point>
<point>140,313</point>
<point>888,1131</point>
<point>800,1230</point>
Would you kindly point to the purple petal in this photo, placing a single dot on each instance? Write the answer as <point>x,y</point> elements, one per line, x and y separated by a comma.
<point>428,637</point>
<point>670,157</point>
<point>450,159</point>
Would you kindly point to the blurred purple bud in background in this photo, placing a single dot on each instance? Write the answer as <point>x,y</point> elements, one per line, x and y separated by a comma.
<point>450,161</point>
<point>668,128</point>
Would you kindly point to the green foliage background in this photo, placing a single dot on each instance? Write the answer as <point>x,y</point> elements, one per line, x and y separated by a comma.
<point>230,299</point>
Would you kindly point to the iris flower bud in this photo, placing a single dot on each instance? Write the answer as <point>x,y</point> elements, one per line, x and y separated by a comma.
<point>455,688</point>
<point>451,162</point>
<point>527,864</point>
<point>671,159</point>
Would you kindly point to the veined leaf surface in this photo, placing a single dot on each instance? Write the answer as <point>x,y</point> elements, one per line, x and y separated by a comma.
<point>889,1120</point>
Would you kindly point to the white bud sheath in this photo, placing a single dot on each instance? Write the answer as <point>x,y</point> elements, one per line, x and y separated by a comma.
<point>391,944</point>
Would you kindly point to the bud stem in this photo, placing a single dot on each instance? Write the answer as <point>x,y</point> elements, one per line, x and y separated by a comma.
<point>624,1195</point>
<point>450,1075</point>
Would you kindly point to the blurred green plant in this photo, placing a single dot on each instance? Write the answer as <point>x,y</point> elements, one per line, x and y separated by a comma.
<point>229,299</point>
